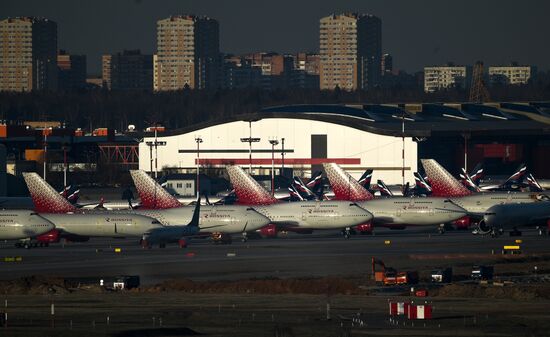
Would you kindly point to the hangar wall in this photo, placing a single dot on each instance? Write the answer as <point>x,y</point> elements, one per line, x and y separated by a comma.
<point>353,149</point>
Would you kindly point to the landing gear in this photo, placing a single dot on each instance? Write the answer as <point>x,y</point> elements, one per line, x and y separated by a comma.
<point>244,237</point>
<point>347,233</point>
<point>441,229</point>
<point>182,243</point>
<point>542,231</point>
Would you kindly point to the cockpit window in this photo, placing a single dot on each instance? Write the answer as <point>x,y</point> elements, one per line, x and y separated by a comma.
<point>155,222</point>
<point>34,213</point>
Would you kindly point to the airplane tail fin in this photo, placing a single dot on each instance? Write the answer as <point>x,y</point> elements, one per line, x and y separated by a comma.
<point>477,174</point>
<point>248,190</point>
<point>421,184</point>
<point>467,182</point>
<point>152,195</point>
<point>345,187</point>
<point>517,176</point>
<point>294,194</point>
<point>365,179</point>
<point>533,184</point>
<point>315,181</point>
<point>45,198</point>
<point>407,190</point>
<point>302,188</point>
<point>443,184</point>
<point>196,213</point>
<point>383,188</point>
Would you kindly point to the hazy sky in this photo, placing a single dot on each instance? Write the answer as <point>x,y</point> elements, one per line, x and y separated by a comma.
<point>415,32</point>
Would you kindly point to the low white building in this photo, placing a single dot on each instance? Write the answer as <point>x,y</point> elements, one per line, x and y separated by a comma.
<point>443,77</point>
<point>307,144</point>
<point>510,74</point>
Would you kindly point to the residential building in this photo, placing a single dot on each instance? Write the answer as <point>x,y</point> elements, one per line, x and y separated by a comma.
<point>444,77</point>
<point>387,64</point>
<point>129,70</point>
<point>28,54</point>
<point>307,62</point>
<point>188,53</point>
<point>350,51</point>
<point>513,74</point>
<point>71,70</point>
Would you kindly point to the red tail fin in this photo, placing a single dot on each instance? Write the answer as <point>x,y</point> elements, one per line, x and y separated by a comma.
<point>345,187</point>
<point>248,191</point>
<point>442,182</point>
<point>152,195</point>
<point>45,198</point>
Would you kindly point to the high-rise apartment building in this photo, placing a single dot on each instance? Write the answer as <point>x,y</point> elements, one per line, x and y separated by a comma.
<point>188,53</point>
<point>129,70</point>
<point>28,54</point>
<point>387,64</point>
<point>444,77</point>
<point>350,51</point>
<point>512,74</point>
<point>71,70</point>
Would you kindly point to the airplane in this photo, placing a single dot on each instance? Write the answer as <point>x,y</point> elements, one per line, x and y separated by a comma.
<point>383,189</point>
<point>17,224</point>
<point>219,220</point>
<point>501,217</point>
<point>162,236</point>
<point>476,204</point>
<point>513,183</point>
<point>396,212</point>
<point>301,217</point>
<point>79,225</point>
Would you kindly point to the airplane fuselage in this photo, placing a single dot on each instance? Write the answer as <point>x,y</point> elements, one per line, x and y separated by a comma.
<point>507,216</point>
<point>316,214</point>
<point>480,202</point>
<point>413,211</point>
<point>22,224</point>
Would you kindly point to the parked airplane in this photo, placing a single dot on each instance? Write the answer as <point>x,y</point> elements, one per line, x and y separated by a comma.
<point>77,224</point>
<point>512,216</point>
<point>22,223</point>
<point>219,220</point>
<point>513,183</point>
<point>301,217</point>
<point>397,212</point>
<point>445,185</point>
<point>383,189</point>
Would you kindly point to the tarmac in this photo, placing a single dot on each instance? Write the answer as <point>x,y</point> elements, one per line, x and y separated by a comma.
<point>320,254</point>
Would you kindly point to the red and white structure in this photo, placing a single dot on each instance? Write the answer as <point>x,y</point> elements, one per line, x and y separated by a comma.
<point>306,143</point>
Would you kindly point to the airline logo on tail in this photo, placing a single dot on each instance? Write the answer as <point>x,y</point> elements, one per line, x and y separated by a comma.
<point>366,179</point>
<point>315,180</point>
<point>45,198</point>
<point>299,186</point>
<point>534,185</point>
<point>294,194</point>
<point>421,184</point>
<point>248,190</point>
<point>477,174</point>
<point>467,181</point>
<point>384,190</point>
<point>443,184</point>
<point>152,195</point>
<point>345,187</point>
<point>518,175</point>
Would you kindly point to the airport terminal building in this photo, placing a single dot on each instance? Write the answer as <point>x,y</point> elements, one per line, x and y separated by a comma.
<point>359,137</point>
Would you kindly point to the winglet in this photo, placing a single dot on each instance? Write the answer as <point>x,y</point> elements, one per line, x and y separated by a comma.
<point>248,190</point>
<point>45,198</point>
<point>152,195</point>
<point>196,214</point>
<point>345,187</point>
<point>442,182</point>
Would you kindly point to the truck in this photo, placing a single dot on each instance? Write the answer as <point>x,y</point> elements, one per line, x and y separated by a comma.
<point>442,275</point>
<point>390,276</point>
<point>482,272</point>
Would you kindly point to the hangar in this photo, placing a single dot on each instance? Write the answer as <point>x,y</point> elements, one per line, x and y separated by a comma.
<point>363,136</point>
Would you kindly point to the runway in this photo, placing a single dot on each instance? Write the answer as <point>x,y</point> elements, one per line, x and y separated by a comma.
<point>316,255</point>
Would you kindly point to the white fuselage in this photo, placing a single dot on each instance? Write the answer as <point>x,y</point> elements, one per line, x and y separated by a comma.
<point>480,202</point>
<point>316,214</point>
<point>109,224</point>
<point>413,211</point>
<point>22,224</point>
<point>227,219</point>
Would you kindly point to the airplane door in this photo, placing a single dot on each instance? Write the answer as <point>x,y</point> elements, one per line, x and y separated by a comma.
<point>398,212</point>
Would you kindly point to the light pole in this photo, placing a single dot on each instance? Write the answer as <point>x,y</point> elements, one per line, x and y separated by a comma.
<point>283,156</point>
<point>154,144</point>
<point>273,142</point>
<point>65,149</point>
<point>250,140</point>
<point>198,139</point>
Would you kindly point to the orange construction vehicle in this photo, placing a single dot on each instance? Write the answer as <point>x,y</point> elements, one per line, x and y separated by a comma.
<point>390,276</point>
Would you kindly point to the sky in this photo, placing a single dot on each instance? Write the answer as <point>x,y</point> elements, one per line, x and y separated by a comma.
<point>416,32</point>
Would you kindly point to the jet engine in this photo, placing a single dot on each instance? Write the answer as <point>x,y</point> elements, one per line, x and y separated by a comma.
<point>462,223</point>
<point>365,228</point>
<point>269,231</point>
<point>484,228</point>
<point>52,236</point>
